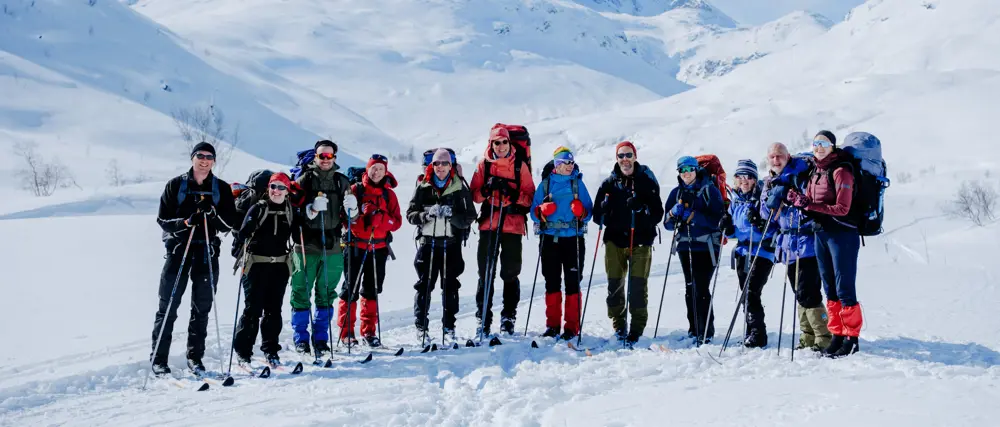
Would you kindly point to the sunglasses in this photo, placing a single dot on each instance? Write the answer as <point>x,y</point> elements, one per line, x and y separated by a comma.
<point>380,158</point>
<point>278,187</point>
<point>744,177</point>
<point>686,169</point>
<point>501,142</point>
<point>205,156</point>
<point>563,162</point>
<point>625,155</point>
<point>441,163</point>
<point>822,143</point>
<point>326,156</point>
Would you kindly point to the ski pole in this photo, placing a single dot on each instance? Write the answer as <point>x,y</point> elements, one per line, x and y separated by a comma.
<point>430,280</point>
<point>305,274</point>
<point>232,342</point>
<point>663,293</point>
<point>538,263</point>
<point>170,303</point>
<point>795,311</point>
<point>444,284</point>
<point>597,245</point>
<point>781,323</point>
<point>485,278</point>
<point>211,279</point>
<point>628,276</point>
<point>746,285</point>
<point>491,270</point>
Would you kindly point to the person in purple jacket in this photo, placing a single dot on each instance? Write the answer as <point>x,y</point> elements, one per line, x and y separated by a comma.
<point>795,244</point>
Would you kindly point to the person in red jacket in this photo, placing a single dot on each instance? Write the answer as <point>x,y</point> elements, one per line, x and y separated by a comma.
<point>380,216</point>
<point>504,187</point>
<point>827,200</point>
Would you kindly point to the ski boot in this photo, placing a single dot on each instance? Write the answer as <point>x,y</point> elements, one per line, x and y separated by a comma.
<point>373,341</point>
<point>620,336</point>
<point>630,341</point>
<point>302,347</point>
<point>272,359</point>
<point>160,369</point>
<point>242,359</point>
<point>507,325</point>
<point>567,335</point>
<point>849,347</point>
<point>448,337</point>
<point>196,366</point>
<point>551,332</point>
<point>322,348</point>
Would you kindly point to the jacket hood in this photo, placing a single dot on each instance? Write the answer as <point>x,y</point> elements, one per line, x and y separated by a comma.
<point>388,181</point>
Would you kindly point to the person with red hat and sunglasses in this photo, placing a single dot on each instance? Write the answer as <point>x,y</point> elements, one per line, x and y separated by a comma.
<point>324,198</point>
<point>262,244</point>
<point>504,187</point>
<point>369,250</point>
<point>628,205</point>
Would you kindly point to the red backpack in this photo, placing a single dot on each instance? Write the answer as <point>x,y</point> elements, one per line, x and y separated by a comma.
<point>713,166</point>
<point>519,136</point>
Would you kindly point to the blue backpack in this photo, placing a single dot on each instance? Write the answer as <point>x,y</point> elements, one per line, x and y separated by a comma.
<point>870,182</point>
<point>305,158</point>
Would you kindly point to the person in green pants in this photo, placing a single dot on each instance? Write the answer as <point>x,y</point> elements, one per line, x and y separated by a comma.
<point>323,198</point>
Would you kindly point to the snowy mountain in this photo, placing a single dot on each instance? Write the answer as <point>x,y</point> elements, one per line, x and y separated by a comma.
<point>757,13</point>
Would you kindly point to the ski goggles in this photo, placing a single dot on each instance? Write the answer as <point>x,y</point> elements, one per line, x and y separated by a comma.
<point>326,156</point>
<point>686,169</point>
<point>822,143</point>
<point>380,158</point>
<point>205,156</point>
<point>279,187</point>
<point>560,162</point>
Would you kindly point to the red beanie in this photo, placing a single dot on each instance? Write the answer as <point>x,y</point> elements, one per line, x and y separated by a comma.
<point>375,159</point>
<point>282,178</point>
<point>499,132</point>
<point>626,144</point>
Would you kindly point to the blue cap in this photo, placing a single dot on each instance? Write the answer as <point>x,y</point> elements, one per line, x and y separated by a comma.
<point>687,161</point>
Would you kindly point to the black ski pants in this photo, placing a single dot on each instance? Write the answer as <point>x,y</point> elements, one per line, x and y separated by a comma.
<point>758,277</point>
<point>509,259</point>
<point>698,267</point>
<point>448,261</point>
<point>807,288</point>
<point>561,256</point>
<point>370,265</point>
<point>264,292</point>
<point>196,267</point>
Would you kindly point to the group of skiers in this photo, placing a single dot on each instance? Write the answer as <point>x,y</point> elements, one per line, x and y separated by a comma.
<point>798,214</point>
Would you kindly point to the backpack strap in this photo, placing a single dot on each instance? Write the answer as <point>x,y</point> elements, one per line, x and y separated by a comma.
<point>182,192</point>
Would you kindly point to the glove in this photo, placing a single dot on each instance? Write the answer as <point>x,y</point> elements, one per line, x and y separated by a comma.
<point>369,208</point>
<point>797,199</point>
<point>444,211</point>
<point>195,219</point>
<point>320,204</point>
<point>687,198</point>
<point>433,211</point>
<point>635,204</point>
<point>727,224</point>
<point>545,209</point>
<point>351,203</point>
<point>755,220</point>
<point>577,207</point>
<point>497,183</point>
<point>366,220</point>
<point>511,193</point>
<point>210,213</point>
<point>679,211</point>
<point>237,248</point>
<point>775,196</point>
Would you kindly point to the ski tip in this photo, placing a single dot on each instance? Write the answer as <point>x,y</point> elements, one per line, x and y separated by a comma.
<point>297,369</point>
<point>426,349</point>
<point>470,343</point>
<point>204,386</point>
<point>534,344</point>
<point>265,373</point>
<point>399,352</point>
<point>328,364</point>
<point>588,353</point>
<point>367,359</point>
<point>495,341</point>
<point>434,347</point>
<point>229,381</point>
<point>454,346</point>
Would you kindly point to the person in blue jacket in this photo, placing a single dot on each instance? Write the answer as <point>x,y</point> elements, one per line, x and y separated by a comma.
<point>695,213</point>
<point>795,244</point>
<point>753,256</point>
<point>560,210</point>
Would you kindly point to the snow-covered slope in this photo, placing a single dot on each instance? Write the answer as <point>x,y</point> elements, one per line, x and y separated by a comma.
<point>752,13</point>
<point>109,48</point>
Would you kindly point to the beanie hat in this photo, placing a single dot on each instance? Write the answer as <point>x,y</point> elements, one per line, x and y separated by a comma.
<point>376,159</point>
<point>202,146</point>
<point>627,144</point>
<point>327,143</point>
<point>562,154</point>
<point>746,167</point>
<point>499,132</point>
<point>829,135</point>
<point>687,161</point>
<point>280,177</point>
<point>441,155</point>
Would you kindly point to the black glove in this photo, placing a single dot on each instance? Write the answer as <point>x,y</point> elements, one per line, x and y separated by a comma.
<point>237,248</point>
<point>366,220</point>
<point>511,193</point>
<point>687,198</point>
<point>727,224</point>
<point>635,204</point>
<point>756,221</point>
<point>497,183</point>
<point>195,219</point>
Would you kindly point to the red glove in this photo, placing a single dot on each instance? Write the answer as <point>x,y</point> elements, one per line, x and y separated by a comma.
<point>546,209</point>
<point>577,207</point>
<point>368,208</point>
<point>797,199</point>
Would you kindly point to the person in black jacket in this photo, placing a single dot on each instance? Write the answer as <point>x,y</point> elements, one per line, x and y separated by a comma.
<point>262,245</point>
<point>190,203</point>
<point>628,205</point>
<point>443,211</point>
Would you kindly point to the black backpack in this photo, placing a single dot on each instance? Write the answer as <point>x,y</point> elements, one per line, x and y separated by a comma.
<point>254,191</point>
